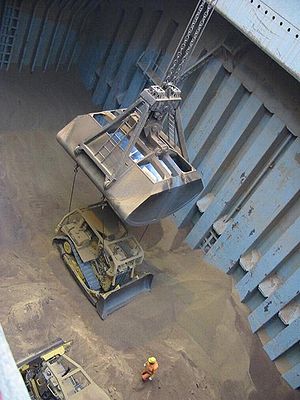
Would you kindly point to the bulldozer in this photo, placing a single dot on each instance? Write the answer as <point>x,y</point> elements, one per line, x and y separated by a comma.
<point>50,374</point>
<point>102,257</point>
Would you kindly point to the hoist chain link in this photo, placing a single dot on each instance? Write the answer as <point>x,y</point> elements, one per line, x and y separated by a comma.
<point>189,40</point>
<point>184,41</point>
<point>177,73</point>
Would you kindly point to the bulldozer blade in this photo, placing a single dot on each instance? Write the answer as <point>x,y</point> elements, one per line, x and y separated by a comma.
<point>58,347</point>
<point>112,301</point>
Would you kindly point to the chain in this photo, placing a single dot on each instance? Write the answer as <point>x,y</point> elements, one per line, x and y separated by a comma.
<point>188,41</point>
<point>183,45</point>
<point>193,40</point>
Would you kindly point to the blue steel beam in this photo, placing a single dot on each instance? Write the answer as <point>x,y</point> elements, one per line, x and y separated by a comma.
<point>113,58</point>
<point>293,377</point>
<point>215,117</point>
<point>103,43</point>
<point>254,217</point>
<point>27,35</point>
<point>204,87</point>
<point>201,94</point>
<point>92,7</point>
<point>257,153</point>
<point>66,26</point>
<point>146,56</point>
<point>232,136</point>
<point>54,27</point>
<point>130,56</point>
<point>273,304</point>
<point>51,4</point>
<point>2,7</point>
<point>284,340</point>
<point>53,38</point>
<point>66,38</point>
<point>151,55</point>
<point>208,127</point>
<point>282,248</point>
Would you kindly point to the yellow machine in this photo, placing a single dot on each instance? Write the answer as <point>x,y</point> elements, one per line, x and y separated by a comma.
<point>102,257</point>
<point>51,375</point>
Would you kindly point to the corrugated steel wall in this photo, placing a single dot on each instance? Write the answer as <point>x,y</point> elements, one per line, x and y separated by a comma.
<point>130,42</point>
<point>246,220</point>
<point>42,33</point>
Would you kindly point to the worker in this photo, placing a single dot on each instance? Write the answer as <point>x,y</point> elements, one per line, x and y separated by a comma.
<point>151,367</point>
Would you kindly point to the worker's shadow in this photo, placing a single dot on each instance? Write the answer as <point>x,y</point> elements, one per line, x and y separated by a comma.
<point>140,386</point>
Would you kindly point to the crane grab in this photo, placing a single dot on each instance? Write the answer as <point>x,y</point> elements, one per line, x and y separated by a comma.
<point>142,171</point>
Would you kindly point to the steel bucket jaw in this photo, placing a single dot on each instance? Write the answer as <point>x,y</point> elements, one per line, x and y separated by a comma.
<point>142,171</point>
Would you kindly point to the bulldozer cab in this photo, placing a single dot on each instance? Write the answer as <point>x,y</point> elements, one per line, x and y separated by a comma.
<point>104,222</point>
<point>120,249</point>
<point>66,380</point>
<point>51,374</point>
<point>123,253</point>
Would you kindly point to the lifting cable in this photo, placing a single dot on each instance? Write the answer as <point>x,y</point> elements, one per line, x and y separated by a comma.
<point>73,186</point>
<point>143,234</point>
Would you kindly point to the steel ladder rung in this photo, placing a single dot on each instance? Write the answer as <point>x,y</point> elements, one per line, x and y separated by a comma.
<point>113,143</point>
<point>8,31</point>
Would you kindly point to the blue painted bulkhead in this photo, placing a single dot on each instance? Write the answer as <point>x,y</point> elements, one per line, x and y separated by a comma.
<point>241,117</point>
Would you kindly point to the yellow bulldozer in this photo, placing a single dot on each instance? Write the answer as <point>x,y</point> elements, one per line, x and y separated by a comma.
<point>50,374</point>
<point>102,256</point>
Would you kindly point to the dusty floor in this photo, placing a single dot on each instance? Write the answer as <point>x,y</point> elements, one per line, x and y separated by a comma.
<point>192,321</point>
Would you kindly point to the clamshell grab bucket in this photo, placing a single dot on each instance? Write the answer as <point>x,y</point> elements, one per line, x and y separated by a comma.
<point>138,168</point>
<point>134,196</point>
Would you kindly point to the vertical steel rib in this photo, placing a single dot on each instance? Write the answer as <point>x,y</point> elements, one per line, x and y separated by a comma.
<point>57,23</point>
<point>82,25</point>
<point>51,4</point>
<point>27,35</point>
<point>66,38</point>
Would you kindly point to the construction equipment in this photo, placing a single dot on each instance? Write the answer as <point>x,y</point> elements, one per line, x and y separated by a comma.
<point>142,171</point>
<point>102,257</point>
<point>137,156</point>
<point>50,374</point>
